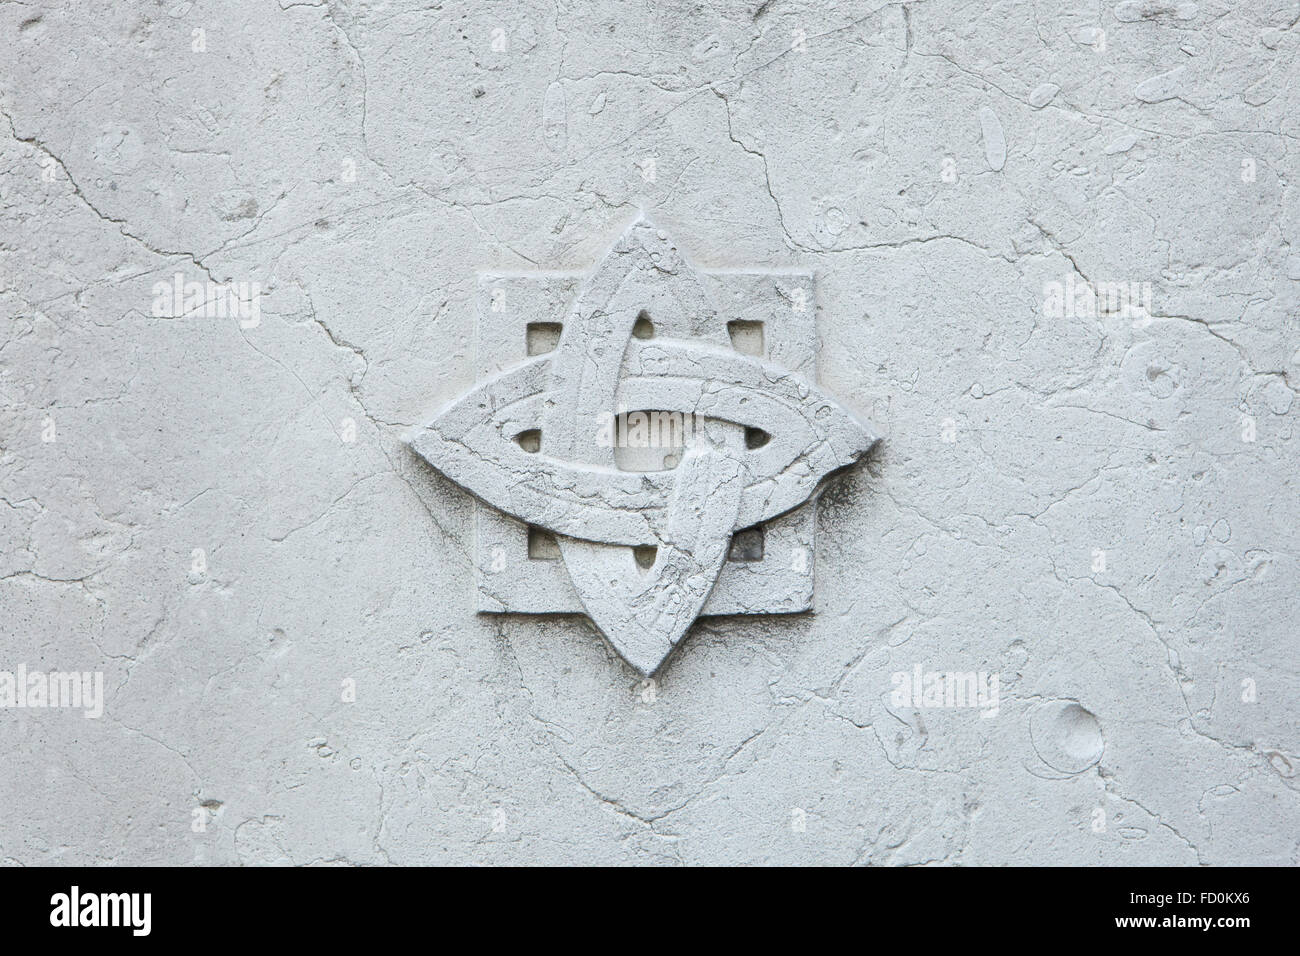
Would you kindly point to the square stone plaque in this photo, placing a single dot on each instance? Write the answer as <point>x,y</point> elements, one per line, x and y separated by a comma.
<point>770,312</point>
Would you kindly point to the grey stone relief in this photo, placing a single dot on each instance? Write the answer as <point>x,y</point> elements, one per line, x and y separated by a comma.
<point>308,553</point>
<point>646,356</point>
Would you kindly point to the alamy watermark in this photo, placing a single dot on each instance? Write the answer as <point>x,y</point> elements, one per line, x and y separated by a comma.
<point>41,689</point>
<point>1089,300</point>
<point>75,908</point>
<point>209,300</point>
<point>923,689</point>
<point>647,429</point>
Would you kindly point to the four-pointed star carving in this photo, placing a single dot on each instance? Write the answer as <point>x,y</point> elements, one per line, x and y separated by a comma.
<point>570,484</point>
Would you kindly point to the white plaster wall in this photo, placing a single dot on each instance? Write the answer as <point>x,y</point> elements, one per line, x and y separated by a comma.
<point>361,162</point>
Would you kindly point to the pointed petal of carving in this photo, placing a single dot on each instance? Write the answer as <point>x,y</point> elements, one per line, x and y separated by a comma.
<point>645,614</point>
<point>643,272</point>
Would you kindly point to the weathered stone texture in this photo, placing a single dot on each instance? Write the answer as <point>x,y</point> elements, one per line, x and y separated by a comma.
<point>1093,497</point>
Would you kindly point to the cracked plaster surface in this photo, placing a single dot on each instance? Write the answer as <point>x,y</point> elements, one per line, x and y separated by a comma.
<point>936,165</point>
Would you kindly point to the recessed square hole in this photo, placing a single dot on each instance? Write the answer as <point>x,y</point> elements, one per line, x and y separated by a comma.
<point>542,545</point>
<point>747,544</point>
<point>542,337</point>
<point>530,441</point>
<point>647,459</point>
<point>650,440</point>
<point>643,328</point>
<point>746,336</point>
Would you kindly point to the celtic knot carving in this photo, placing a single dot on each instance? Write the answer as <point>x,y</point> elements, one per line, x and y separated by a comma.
<point>540,441</point>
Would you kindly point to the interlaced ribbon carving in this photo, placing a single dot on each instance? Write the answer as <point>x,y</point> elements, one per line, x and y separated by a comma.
<point>572,485</point>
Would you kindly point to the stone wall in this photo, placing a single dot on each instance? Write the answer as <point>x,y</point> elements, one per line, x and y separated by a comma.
<point>1054,250</point>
